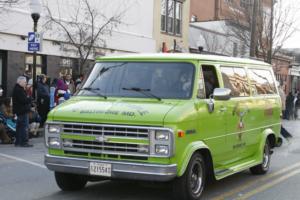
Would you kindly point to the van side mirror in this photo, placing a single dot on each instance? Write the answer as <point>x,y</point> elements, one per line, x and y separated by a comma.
<point>222,94</point>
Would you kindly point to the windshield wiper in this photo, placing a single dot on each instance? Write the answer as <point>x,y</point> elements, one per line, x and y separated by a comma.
<point>94,90</point>
<point>105,69</point>
<point>146,92</point>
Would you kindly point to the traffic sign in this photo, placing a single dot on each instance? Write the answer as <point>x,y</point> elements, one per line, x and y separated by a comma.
<point>34,41</point>
<point>33,46</point>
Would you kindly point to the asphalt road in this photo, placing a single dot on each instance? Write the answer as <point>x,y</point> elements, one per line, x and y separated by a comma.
<point>23,176</point>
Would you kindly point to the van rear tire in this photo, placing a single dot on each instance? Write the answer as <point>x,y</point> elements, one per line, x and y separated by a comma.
<point>191,184</point>
<point>70,182</point>
<point>263,168</point>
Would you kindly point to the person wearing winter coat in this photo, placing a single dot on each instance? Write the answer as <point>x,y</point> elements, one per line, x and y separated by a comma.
<point>283,101</point>
<point>43,98</point>
<point>21,107</point>
<point>61,91</point>
<point>289,106</point>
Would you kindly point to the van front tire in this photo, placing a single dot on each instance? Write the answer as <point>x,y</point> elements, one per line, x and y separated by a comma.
<point>191,184</point>
<point>263,168</point>
<point>70,182</point>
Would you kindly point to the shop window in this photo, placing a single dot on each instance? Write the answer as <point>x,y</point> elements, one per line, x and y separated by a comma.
<point>171,17</point>
<point>66,66</point>
<point>29,64</point>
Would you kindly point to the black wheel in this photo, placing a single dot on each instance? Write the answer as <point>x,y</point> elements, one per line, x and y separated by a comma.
<point>70,182</point>
<point>265,165</point>
<point>191,184</point>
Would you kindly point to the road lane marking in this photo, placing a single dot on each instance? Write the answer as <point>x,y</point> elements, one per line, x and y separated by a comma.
<point>22,160</point>
<point>255,181</point>
<point>268,185</point>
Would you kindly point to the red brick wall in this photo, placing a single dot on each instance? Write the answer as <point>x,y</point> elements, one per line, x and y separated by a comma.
<point>203,9</point>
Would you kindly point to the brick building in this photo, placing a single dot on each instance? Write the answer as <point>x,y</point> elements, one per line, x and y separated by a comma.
<point>215,10</point>
<point>226,11</point>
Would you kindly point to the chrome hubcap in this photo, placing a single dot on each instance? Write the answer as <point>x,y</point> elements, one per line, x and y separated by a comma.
<point>266,157</point>
<point>196,178</point>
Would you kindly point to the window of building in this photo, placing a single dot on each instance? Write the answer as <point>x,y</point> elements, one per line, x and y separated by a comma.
<point>245,3</point>
<point>171,16</point>
<point>66,65</point>
<point>29,64</point>
<point>235,78</point>
<point>178,18</point>
<point>262,82</point>
<point>163,14</point>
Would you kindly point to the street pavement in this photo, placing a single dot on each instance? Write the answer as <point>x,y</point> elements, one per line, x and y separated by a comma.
<point>24,176</point>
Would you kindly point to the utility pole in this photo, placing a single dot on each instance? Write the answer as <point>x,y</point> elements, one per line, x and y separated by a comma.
<point>253,41</point>
<point>270,51</point>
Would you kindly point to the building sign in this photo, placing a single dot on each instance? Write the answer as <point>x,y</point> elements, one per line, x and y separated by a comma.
<point>34,41</point>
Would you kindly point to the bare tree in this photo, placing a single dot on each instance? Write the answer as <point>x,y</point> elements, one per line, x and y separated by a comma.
<point>217,43</point>
<point>9,3</point>
<point>83,27</point>
<point>284,22</point>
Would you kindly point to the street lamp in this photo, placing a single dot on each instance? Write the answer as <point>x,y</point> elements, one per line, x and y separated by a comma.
<point>36,8</point>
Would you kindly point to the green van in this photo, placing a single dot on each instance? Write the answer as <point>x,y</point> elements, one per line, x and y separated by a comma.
<point>177,118</point>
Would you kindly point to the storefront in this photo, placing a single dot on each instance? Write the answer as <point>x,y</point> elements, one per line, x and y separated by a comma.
<point>295,78</point>
<point>14,64</point>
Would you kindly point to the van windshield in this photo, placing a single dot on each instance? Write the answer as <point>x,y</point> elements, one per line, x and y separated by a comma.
<point>140,80</point>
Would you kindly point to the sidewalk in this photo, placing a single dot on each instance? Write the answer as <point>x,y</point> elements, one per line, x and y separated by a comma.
<point>293,126</point>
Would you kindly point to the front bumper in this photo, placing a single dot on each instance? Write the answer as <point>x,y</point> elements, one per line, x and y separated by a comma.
<point>120,170</point>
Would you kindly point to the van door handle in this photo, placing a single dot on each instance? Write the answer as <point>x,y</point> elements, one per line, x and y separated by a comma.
<point>223,109</point>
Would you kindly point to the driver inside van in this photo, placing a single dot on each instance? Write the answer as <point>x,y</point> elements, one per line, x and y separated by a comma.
<point>209,85</point>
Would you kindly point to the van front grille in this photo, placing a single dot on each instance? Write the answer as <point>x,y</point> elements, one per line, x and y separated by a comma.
<point>131,141</point>
<point>130,132</point>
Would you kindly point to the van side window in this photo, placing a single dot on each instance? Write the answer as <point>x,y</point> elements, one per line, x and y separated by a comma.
<point>235,78</point>
<point>201,88</point>
<point>210,79</point>
<point>262,81</point>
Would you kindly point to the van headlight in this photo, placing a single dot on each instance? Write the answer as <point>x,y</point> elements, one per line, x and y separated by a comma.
<point>162,142</point>
<point>54,142</point>
<point>53,128</point>
<point>52,136</point>
<point>162,135</point>
<point>162,149</point>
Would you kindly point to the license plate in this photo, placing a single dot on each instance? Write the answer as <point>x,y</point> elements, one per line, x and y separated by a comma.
<point>100,169</point>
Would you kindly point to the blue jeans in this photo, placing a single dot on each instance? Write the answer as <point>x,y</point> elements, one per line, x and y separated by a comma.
<point>22,129</point>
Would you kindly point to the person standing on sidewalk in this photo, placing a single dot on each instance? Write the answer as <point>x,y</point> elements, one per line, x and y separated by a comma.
<point>21,107</point>
<point>283,101</point>
<point>43,102</point>
<point>289,106</point>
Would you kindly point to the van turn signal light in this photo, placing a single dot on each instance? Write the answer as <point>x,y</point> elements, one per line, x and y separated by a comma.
<point>181,134</point>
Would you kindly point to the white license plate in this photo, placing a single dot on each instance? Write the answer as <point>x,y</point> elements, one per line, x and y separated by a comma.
<point>100,169</point>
